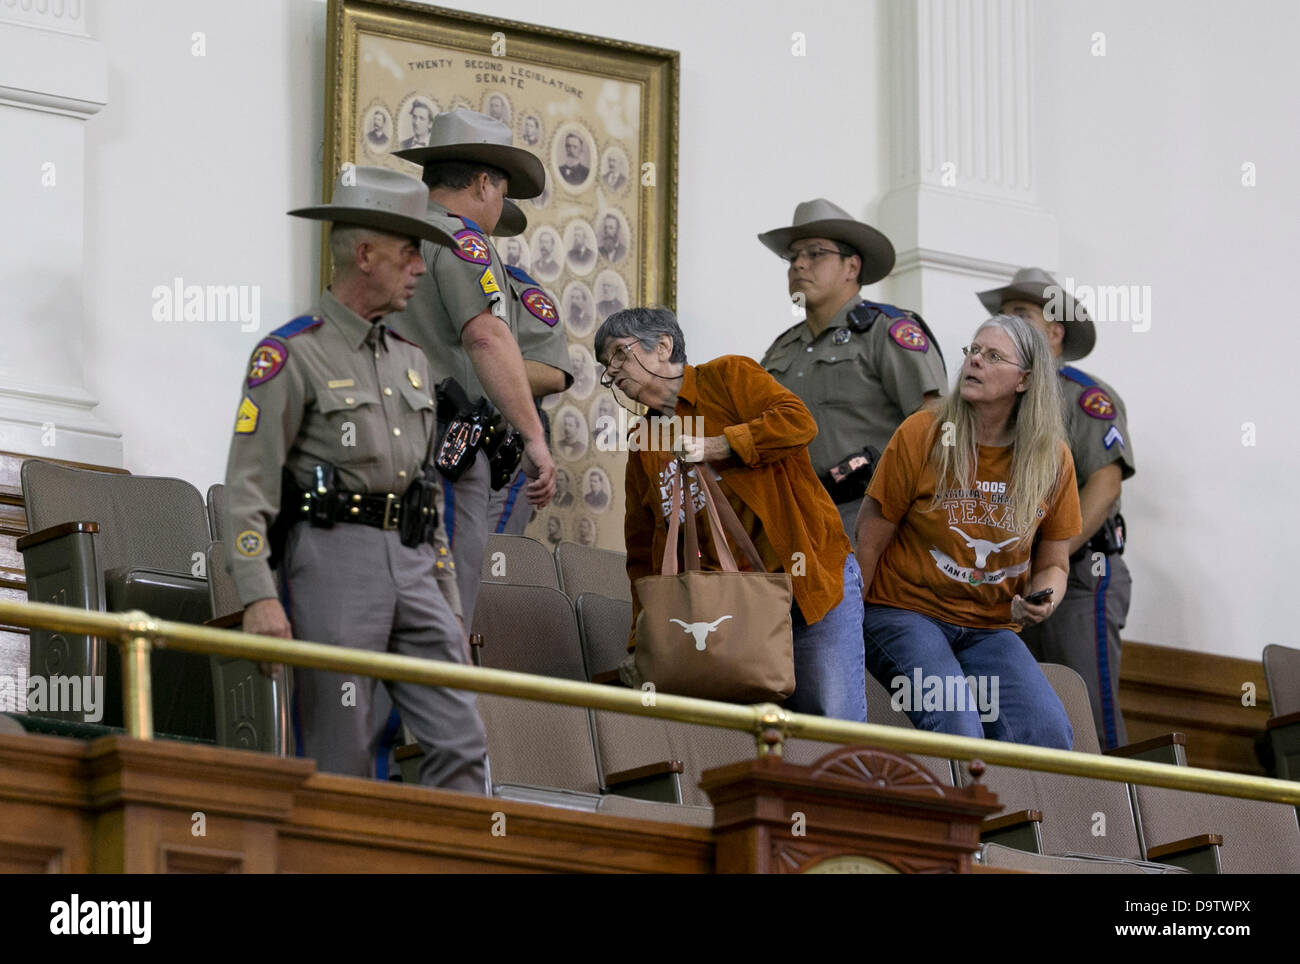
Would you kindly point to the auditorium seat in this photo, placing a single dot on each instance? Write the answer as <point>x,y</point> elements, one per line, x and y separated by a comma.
<point>604,625</point>
<point>111,542</point>
<point>518,561</point>
<point>252,710</point>
<point>1206,833</point>
<point>1282,672</point>
<point>585,569</point>
<point>218,512</point>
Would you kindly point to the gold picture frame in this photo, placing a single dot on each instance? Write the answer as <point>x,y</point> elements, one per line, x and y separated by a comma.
<point>602,115</point>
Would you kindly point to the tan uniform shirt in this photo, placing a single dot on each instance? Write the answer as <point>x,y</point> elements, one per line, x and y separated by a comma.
<point>859,386</point>
<point>327,388</point>
<point>460,285</point>
<point>1096,426</point>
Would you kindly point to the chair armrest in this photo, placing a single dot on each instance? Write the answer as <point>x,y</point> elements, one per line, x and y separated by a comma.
<point>607,678</point>
<point>1011,820</point>
<point>1278,722</point>
<point>1182,846</point>
<point>1167,748</point>
<point>614,780</point>
<point>1199,854</point>
<point>226,621</point>
<point>1019,830</point>
<point>54,532</point>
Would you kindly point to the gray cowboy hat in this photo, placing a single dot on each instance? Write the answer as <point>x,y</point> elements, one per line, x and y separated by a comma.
<point>512,221</point>
<point>1036,285</point>
<point>375,197</point>
<point>819,218</point>
<point>467,135</point>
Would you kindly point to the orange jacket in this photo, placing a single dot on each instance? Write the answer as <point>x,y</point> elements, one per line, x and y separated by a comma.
<point>768,429</point>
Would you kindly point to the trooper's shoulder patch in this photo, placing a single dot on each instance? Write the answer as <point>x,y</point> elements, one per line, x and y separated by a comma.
<point>540,305</point>
<point>268,358</point>
<point>250,543</point>
<point>246,420</point>
<point>472,247</point>
<point>301,324</point>
<point>1097,403</point>
<point>909,335</point>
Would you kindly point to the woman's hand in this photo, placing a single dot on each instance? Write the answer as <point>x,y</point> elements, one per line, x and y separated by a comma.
<point>1029,614</point>
<point>714,448</point>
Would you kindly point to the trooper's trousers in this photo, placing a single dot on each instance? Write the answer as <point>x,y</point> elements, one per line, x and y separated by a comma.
<point>358,586</point>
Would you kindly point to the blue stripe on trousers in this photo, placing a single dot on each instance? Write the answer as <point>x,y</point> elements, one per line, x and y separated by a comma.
<point>510,502</point>
<point>1102,639</point>
<point>449,512</point>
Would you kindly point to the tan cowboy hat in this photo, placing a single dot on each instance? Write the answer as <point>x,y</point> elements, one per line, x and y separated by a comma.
<point>1036,285</point>
<point>512,221</point>
<point>820,218</point>
<point>375,197</point>
<point>467,135</point>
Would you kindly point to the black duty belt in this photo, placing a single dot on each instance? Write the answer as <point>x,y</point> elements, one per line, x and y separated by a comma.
<point>380,511</point>
<point>1109,540</point>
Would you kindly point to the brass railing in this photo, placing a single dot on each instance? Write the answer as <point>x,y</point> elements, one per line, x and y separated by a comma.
<point>137,633</point>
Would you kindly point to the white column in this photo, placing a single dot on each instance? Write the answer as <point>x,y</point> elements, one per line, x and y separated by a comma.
<point>961,207</point>
<point>53,78</point>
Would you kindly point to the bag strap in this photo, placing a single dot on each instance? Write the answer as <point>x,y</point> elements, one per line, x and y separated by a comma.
<point>719,506</point>
<point>669,567</point>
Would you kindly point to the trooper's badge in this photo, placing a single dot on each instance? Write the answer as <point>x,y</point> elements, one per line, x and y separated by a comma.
<point>249,543</point>
<point>841,336</point>
<point>413,378</point>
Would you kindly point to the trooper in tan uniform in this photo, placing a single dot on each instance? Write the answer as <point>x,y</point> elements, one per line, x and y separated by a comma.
<point>860,367</point>
<point>461,313</point>
<point>330,445</point>
<point>1084,630</point>
<point>543,345</point>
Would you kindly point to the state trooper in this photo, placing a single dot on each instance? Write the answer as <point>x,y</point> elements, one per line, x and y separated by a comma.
<point>463,314</point>
<point>1084,631</point>
<point>328,472</point>
<point>861,367</point>
<point>543,346</point>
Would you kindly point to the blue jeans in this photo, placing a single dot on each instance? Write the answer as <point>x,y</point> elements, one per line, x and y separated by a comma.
<point>829,677</point>
<point>1010,699</point>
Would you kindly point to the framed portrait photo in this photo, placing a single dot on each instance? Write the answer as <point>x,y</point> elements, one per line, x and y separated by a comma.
<point>600,114</point>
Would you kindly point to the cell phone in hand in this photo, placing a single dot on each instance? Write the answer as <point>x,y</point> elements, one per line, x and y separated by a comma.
<point>1041,596</point>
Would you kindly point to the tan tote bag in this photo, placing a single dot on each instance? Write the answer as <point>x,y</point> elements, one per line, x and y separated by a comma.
<point>715,635</point>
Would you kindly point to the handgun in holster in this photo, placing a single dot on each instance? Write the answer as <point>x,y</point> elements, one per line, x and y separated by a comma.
<point>504,448</point>
<point>461,426</point>
<point>315,505</point>
<point>419,509</point>
<point>847,480</point>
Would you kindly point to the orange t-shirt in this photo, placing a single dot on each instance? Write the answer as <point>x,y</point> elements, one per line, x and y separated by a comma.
<point>960,562</point>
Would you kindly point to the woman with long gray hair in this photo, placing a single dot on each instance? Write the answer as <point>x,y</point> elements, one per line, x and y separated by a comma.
<point>963,539</point>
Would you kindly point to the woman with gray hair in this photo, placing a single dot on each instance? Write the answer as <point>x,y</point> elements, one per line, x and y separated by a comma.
<point>752,435</point>
<point>946,542</point>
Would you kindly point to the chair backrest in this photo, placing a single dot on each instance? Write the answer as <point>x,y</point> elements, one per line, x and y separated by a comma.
<point>532,629</point>
<point>218,512</point>
<point>1258,837</point>
<point>584,569</point>
<point>1073,693</point>
<point>604,624</point>
<point>146,522</point>
<point>518,561</point>
<point>221,586</point>
<point>1282,672</point>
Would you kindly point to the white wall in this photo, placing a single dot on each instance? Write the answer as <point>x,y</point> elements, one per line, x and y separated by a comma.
<point>194,160</point>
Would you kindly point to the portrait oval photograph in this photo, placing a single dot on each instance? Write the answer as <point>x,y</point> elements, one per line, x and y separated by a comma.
<point>578,309</point>
<point>603,415</point>
<point>588,532</point>
<point>563,498</point>
<point>613,237</point>
<point>611,294</point>
<point>583,363</point>
<point>377,130</point>
<point>547,254</point>
<point>573,156</point>
<point>614,168</point>
<point>554,530</point>
<point>497,106</point>
<point>515,253</point>
<point>531,131</point>
<point>596,489</point>
<point>569,433</point>
<point>579,247</point>
<point>415,120</point>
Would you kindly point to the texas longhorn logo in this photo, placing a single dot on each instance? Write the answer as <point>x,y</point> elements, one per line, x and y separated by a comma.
<point>699,630</point>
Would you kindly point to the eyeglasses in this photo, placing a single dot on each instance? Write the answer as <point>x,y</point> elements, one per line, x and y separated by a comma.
<point>990,356</point>
<point>618,358</point>
<point>812,254</point>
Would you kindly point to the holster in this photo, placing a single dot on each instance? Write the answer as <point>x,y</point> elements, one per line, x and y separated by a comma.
<point>505,448</point>
<point>419,511</point>
<point>318,502</point>
<point>461,427</point>
<point>847,480</point>
<point>1109,539</point>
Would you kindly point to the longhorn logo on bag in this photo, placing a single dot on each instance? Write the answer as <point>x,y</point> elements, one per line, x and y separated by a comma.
<point>699,630</point>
